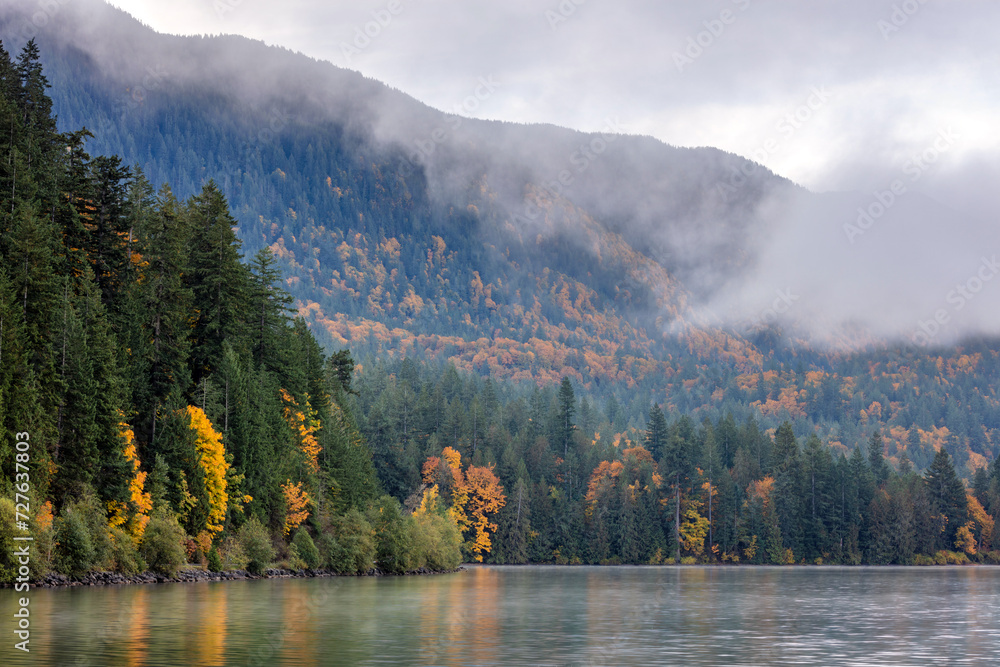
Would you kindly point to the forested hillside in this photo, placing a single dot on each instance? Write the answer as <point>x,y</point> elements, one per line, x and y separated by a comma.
<point>164,402</point>
<point>472,252</point>
<point>328,362</point>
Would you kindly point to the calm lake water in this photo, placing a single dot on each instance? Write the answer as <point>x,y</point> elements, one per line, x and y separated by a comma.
<point>530,616</point>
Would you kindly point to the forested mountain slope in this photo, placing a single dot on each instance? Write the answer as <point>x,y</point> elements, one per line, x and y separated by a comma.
<point>160,404</point>
<point>526,253</point>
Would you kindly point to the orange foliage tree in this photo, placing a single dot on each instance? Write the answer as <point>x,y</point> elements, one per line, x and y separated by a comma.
<point>980,525</point>
<point>304,425</point>
<point>141,502</point>
<point>297,501</point>
<point>475,494</point>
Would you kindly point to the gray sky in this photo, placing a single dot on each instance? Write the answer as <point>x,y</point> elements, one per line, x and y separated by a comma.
<point>881,81</point>
<point>847,95</point>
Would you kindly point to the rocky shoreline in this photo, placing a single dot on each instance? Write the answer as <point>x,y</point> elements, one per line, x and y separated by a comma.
<point>53,580</point>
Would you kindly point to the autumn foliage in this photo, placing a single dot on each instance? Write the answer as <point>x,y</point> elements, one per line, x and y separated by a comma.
<point>132,515</point>
<point>297,502</point>
<point>476,495</point>
<point>304,425</point>
<point>213,464</point>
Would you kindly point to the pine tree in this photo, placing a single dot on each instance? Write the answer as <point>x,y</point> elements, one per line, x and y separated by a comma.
<point>163,303</point>
<point>678,465</point>
<point>817,524</point>
<point>947,497</point>
<point>656,432</point>
<point>564,426</point>
<point>270,306</point>
<point>876,459</point>
<point>218,281</point>
<point>787,494</point>
<point>108,231</point>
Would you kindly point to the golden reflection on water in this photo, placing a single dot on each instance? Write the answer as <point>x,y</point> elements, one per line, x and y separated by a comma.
<point>211,628</point>
<point>136,626</point>
<point>529,615</point>
<point>486,615</point>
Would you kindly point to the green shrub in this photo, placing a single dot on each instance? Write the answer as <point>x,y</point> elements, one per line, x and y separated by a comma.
<point>956,558</point>
<point>351,547</point>
<point>306,549</point>
<point>95,517</point>
<point>922,559</point>
<point>75,553</point>
<point>163,544</point>
<point>329,548</point>
<point>214,560</point>
<point>255,542</point>
<point>295,561</point>
<point>43,548</point>
<point>438,542</point>
<point>233,556</point>
<point>394,548</point>
<point>124,553</point>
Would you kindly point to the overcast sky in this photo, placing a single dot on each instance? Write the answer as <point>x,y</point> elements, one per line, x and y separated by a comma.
<point>835,95</point>
<point>872,81</point>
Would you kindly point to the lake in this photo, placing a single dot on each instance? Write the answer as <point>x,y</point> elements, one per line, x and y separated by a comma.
<point>530,615</point>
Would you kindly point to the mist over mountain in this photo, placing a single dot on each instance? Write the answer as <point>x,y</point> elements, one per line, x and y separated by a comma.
<point>689,276</point>
<point>732,232</point>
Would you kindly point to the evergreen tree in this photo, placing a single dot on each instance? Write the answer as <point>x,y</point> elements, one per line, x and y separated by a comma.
<point>564,426</point>
<point>218,281</point>
<point>656,432</point>
<point>947,496</point>
<point>270,307</point>
<point>678,465</point>
<point>876,459</point>
<point>788,492</point>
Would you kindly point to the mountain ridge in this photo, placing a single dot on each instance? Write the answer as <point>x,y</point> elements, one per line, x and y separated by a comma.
<point>470,254</point>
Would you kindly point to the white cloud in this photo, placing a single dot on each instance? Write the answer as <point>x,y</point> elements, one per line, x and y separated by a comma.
<point>603,59</point>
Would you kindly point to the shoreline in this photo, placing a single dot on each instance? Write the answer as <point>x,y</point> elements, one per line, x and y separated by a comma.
<point>193,575</point>
<point>54,580</point>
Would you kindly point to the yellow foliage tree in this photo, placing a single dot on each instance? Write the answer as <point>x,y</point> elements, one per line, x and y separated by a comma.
<point>208,442</point>
<point>980,522</point>
<point>693,528</point>
<point>297,501</point>
<point>475,495</point>
<point>429,503</point>
<point>304,424</point>
<point>142,503</point>
<point>486,497</point>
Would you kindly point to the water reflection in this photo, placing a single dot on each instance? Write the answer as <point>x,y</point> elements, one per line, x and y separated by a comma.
<point>533,616</point>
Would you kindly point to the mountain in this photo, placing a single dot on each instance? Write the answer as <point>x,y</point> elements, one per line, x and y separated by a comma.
<point>687,277</point>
